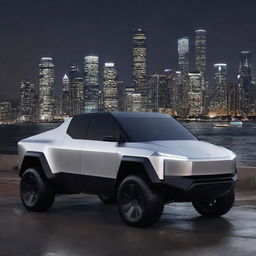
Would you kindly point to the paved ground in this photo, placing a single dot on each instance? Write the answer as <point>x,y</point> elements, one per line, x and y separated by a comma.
<point>82,225</point>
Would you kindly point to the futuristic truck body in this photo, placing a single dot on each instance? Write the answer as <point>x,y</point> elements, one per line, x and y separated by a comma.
<point>139,160</point>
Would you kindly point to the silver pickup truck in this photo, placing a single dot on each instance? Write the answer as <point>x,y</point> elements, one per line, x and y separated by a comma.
<point>140,161</point>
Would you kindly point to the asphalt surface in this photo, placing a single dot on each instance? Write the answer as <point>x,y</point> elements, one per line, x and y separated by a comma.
<point>82,225</point>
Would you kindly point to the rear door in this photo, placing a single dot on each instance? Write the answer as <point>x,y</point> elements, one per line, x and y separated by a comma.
<point>98,157</point>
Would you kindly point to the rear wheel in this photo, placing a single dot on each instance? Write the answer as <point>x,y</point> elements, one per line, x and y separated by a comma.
<point>215,207</point>
<point>138,205</point>
<point>35,192</point>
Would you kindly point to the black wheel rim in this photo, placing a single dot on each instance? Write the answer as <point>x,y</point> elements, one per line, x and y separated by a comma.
<point>211,203</point>
<point>132,202</point>
<point>29,190</point>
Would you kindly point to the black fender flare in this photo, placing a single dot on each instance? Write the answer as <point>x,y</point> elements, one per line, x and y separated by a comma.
<point>146,164</point>
<point>43,161</point>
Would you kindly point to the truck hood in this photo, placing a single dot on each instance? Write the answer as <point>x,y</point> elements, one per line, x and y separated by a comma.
<point>192,149</point>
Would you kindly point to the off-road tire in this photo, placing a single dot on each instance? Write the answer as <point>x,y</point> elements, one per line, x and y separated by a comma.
<point>138,204</point>
<point>215,207</point>
<point>36,193</point>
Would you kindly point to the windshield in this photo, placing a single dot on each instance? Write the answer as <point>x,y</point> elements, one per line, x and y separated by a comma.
<point>152,129</point>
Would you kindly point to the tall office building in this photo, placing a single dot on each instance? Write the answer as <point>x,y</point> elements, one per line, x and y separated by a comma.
<point>200,51</point>
<point>46,86</point>
<point>65,80</point>
<point>121,96</point>
<point>245,81</point>
<point>195,94</point>
<point>179,106</point>
<point>65,96</point>
<point>132,100</point>
<point>153,88</point>
<point>183,61</point>
<point>77,96</point>
<point>158,92</point>
<point>183,54</point>
<point>76,88</point>
<point>233,99</point>
<point>91,80</point>
<point>73,72</point>
<point>27,101</point>
<point>5,112</point>
<point>218,103</point>
<point>110,84</point>
<point>139,65</point>
<point>172,97</point>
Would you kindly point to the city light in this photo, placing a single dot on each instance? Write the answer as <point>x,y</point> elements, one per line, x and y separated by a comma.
<point>182,92</point>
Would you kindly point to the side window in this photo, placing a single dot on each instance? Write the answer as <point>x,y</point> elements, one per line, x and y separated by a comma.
<point>101,126</point>
<point>78,127</point>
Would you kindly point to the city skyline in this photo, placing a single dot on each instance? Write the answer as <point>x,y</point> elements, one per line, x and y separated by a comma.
<point>182,92</point>
<point>188,62</point>
<point>110,37</point>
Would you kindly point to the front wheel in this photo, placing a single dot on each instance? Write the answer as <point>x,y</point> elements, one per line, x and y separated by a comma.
<point>138,205</point>
<point>35,192</point>
<point>215,207</point>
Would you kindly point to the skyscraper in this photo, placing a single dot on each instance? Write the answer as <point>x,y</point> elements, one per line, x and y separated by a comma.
<point>139,64</point>
<point>158,92</point>
<point>91,80</point>
<point>121,96</point>
<point>76,87</point>
<point>171,97</point>
<point>46,86</point>
<point>65,80</point>
<point>110,91</point>
<point>27,101</point>
<point>218,103</point>
<point>65,96</point>
<point>72,73</point>
<point>183,54</point>
<point>245,81</point>
<point>77,96</point>
<point>200,51</point>
<point>132,100</point>
<point>5,112</point>
<point>183,61</point>
<point>233,99</point>
<point>180,102</point>
<point>195,94</point>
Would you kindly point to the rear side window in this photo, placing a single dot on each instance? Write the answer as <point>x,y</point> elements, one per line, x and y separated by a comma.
<point>101,126</point>
<point>78,127</point>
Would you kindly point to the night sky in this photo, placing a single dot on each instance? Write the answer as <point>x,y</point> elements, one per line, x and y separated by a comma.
<point>68,30</point>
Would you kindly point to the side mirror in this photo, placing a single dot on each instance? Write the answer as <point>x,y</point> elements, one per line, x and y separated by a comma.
<point>110,138</point>
<point>121,138</point>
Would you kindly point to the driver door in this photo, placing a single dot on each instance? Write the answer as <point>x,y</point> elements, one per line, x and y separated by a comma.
<point>99,158</point>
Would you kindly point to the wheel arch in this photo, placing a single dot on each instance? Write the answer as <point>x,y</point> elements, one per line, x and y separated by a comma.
<point>136,165</point>
<point>34,159</point>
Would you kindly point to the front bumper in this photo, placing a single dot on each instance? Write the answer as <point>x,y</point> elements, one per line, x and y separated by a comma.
<point>196,167</point>
<point>189,188</point>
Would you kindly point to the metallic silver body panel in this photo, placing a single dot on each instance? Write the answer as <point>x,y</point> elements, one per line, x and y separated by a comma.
<point>99,158</point>
<point>102,158</point>
<point>47,143</point>
<point>66,157</point>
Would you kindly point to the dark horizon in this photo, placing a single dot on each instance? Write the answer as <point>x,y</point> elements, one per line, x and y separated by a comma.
<point>69,30</point>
